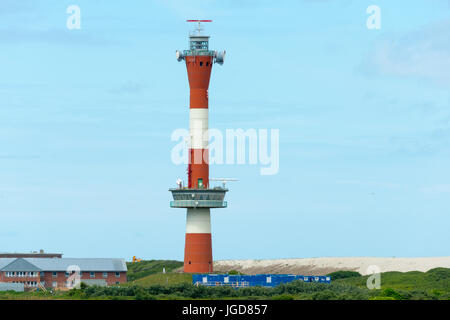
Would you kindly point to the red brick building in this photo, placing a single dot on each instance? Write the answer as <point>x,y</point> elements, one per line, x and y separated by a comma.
<point>62,273</point>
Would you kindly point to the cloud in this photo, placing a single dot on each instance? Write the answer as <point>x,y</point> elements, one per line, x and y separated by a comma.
<point>8,234</point>
<point>375,184</point>
<point>51,36</point>
<point>194,9</point>
<point>14,7</point>
<point>130,87</point>
<point>437,189</point>
<point>17,157</point>
<point>423,53</point>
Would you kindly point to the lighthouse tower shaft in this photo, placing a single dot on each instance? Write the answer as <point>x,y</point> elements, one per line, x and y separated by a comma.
<point>199,73</point>
<point>198,197</point>
<point>198,243</point>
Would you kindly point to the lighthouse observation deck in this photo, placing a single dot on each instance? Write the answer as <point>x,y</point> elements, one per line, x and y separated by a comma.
<point>199,45</point>
<point>198,198</point>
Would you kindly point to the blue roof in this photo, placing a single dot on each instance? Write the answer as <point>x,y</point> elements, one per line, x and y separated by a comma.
<point>5,261</point>
<point>62,264</point>
<point>20,264</point>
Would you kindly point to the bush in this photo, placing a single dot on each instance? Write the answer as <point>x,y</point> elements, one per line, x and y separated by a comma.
<point>343,275</point>
<point>234,272</point>
<point>381,298</point>
<point>142,294</point>
<point>283,297</point>
<point>324,295</point>
<point>392,293</point>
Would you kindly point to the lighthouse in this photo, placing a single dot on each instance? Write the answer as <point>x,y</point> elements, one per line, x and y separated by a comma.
<point>198,197</point>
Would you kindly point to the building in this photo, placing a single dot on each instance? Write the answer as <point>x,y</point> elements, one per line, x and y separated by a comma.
<point>260,280</point>
<point>40,254</point>
<point>62,273</point>
<point>198,197</point>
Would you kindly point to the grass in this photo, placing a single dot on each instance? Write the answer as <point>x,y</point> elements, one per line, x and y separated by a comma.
<point>434,279</point>
<point>145,268</point>
<point>162,279</point>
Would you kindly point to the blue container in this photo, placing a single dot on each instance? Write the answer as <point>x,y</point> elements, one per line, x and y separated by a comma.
<point>264,280</point>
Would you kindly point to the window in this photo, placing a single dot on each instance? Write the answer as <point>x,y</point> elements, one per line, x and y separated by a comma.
<point>105,274</point>
<point>117,274</point>
<point>207,63</point>
<point>198,45</point>
<point>42,273</point>
<point>92,274</point>
<point>117,282</point>
<point>67,274</point>
<point>201,63</point>
<point>54,274</point>
<point>54,284</point>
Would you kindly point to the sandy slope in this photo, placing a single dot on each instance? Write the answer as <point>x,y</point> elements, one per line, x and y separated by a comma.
<point>321,266</point>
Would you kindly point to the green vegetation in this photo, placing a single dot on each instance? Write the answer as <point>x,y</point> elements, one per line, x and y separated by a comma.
<point>234,272</point>
<point>434,279</point>
<point>142,269</point>
<point>344,274</point>
<point>161,279</point>
<point>150,283</point>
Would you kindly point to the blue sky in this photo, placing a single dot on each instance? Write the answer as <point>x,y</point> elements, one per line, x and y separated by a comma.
<point>364,118</point>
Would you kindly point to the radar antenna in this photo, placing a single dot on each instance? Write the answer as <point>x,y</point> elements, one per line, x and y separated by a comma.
<point>223,180</point>
<point>199,27</point>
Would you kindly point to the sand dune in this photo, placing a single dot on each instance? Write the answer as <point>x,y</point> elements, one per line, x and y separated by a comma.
<point>321,266</point>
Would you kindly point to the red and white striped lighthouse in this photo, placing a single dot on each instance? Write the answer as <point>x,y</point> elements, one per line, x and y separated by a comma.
<point>198,197</point>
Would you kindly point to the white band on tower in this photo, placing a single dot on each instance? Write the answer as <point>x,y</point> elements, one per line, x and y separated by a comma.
<point>198,220</point>
<point>198,126</point>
